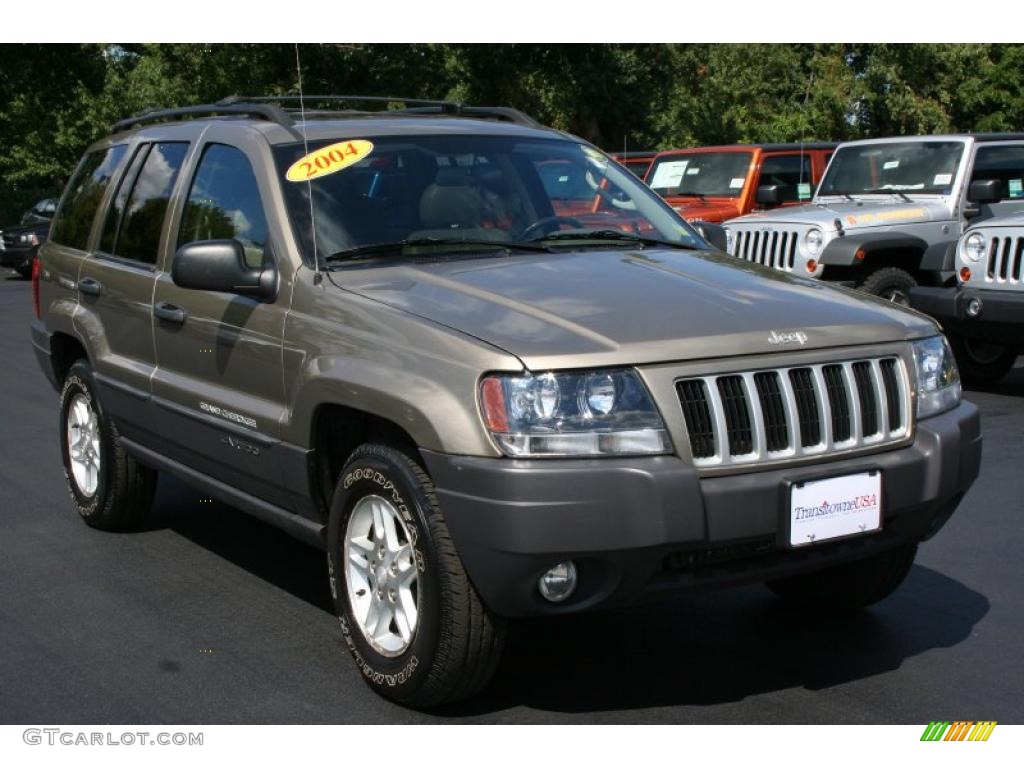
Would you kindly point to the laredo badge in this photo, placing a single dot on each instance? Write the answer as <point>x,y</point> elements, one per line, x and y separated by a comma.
<point>330,159</point>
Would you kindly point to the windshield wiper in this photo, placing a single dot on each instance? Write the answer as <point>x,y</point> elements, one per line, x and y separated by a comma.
<point>888,191</point>
<point>613,235</point>
<point>374,249</point>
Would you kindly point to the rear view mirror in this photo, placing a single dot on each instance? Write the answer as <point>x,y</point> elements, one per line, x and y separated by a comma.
<point>768,194</point>
<point>986,191</point>
<point>219,265</point>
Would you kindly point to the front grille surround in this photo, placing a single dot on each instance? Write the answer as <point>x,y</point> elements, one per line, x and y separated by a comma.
<point>875,411</point>
<point>1004,259</point>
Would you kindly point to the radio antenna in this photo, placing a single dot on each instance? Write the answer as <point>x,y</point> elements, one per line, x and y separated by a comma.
<point>317,276</point>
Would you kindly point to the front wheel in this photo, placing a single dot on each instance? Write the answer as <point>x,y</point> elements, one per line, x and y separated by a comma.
<point>409,615</point>
<point>982,362</point>
<point>890,283</point>
<point>851,585</point>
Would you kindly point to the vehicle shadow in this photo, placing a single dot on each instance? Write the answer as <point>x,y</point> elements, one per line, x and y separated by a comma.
<point>1011,384</point>
<point>700,649</point>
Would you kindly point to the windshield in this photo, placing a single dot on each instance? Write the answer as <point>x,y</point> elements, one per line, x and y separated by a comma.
<point>714,174</point>
<point>923,167</point>
<point>501,189</point>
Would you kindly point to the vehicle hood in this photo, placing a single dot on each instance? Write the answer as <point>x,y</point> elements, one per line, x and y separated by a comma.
<point>41,228</point>
<point>857,215</point>
<point>715,211</point>
<point>622,307</point>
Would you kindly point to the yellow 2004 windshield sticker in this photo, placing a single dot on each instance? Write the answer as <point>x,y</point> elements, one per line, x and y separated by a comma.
<point>330,159</point>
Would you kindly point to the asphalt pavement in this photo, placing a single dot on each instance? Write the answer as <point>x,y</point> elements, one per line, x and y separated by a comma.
<point>209,616</point>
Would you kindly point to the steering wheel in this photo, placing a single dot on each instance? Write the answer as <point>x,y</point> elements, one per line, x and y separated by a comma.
<point>547,221</point>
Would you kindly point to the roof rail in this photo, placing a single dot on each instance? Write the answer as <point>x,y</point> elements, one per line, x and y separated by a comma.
<point>412,106</point>
<point>265,111</point>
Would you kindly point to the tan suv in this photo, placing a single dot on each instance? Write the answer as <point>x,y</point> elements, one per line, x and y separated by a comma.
<point>377,331</point>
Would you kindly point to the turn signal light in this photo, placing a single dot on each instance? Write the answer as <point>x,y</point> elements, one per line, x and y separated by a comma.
<point>35,287</point>
<point>965,274</point>
<point>812,266</point>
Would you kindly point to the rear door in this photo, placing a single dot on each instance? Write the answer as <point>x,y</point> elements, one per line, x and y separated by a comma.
<point>218,390</point>
<point>115,283</point>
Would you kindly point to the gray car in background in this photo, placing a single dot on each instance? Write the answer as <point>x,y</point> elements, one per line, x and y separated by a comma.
<point>380,332</point>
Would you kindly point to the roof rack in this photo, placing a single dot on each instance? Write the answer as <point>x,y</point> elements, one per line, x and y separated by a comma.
<point>266,108</point>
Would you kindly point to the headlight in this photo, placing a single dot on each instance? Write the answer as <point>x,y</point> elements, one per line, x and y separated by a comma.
<point>730,238</point>
<point>31,239</point>
<point>589,413</point>
<point>938,380</point>
<point>974,247</point>
<point>813,241</point>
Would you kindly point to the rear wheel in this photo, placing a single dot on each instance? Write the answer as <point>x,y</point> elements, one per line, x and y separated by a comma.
<point>889,283</point>
<point>982,362</point>
<point>851,585</point>
<point>409,615</point>
<point>109,488</point>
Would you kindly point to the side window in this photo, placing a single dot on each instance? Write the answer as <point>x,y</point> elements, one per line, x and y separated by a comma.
<point>115,212</point>
<point>1005,163</point>
<point>142,215</point>
<point>224,203</point>
<point>74,219</point>
<point>792,174</point>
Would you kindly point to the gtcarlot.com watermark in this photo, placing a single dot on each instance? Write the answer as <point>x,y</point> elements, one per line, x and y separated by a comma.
<point>68,738</point>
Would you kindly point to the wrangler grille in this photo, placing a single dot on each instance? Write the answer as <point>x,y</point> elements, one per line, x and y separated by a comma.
<point>771,248</point>
<point>1005,260</point>
<point>768,415</point>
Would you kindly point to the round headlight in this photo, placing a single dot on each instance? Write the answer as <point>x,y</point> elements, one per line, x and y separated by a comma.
<point>974,247</point>
<point>545,396</point>
<point>813,241</point>
<point>597,395</point>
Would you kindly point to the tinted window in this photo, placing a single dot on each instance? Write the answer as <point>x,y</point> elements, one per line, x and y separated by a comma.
<point>138,237</point>
<point>85,191</point>
<point>224,202</point>
<point>888,167</point>
<point>791,173</point>
<point>113,221</point>
<point>1003,163</point>
<point>720,174</point>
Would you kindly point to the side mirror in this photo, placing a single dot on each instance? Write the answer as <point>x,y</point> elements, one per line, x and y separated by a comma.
<point>768,194</point>
<point>219,265</point>
<point>713,233</point>
<point>986,191</point>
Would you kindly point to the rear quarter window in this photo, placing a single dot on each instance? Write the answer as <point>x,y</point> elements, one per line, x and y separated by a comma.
<point>84,193</point>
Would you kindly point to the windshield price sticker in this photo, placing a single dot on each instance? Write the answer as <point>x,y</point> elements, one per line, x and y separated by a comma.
<point>330,159</point>
<point>1015,187</point>
<point>942,178</point>
<point>669,174</point>
<point>890,165</point>
<point>736,183</point>
<point>803,191</point>
<point>692,171</point>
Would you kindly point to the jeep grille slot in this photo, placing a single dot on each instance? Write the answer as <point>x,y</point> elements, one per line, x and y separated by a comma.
<point>806,405</point>
<point>694,398</point>
<point>1004,260</point>
<point>737,417</point>
<point>781,414</point>
<point>773,406</point>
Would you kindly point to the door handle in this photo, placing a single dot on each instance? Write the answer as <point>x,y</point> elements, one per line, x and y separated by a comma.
<point>90,287</point>
<point>172,313</point>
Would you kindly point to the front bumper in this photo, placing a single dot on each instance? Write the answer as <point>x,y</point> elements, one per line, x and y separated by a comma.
<point>641,527</point>
<point>1001,319</point>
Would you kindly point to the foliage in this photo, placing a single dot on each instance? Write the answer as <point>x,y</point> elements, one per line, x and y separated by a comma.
<point>56,99</point>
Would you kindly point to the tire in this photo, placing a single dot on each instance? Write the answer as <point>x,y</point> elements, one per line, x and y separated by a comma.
<point>455,642</point>
<point>890,283</point>
<point>981,362</point>
<point>119,493</point>
<point>849,586</point>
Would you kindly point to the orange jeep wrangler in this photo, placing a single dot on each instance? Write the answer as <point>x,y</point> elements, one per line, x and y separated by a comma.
<point>716,184</point>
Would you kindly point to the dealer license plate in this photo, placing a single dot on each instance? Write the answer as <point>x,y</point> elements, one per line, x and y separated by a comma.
<point>829,509</point>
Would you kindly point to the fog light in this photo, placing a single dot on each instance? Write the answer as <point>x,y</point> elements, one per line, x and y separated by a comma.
<point>558,583</point>
<point>974,307</point>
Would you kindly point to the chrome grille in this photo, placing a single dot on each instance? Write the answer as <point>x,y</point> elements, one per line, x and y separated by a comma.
<point>807,410</point>
<point>1004,260</point>
<point>769,247</point>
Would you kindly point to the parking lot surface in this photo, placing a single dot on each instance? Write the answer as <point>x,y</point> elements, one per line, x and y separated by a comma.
<point>209,616</point>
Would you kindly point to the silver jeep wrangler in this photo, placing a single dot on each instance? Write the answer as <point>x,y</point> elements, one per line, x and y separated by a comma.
<point>984,312</point>
<point>888,211</point>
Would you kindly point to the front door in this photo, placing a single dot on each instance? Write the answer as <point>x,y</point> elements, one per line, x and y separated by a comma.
<point>218,392</point>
